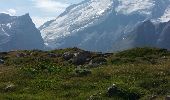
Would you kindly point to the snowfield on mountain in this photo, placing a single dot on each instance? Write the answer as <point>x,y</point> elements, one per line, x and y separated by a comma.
<point>97,25</point>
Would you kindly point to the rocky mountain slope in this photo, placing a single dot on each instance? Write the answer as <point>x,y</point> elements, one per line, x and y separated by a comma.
<point>19,33</point>
<point>145,34</point>
<point>99,24</point>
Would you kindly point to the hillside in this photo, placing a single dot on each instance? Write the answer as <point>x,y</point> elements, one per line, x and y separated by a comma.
<point>75,74</point>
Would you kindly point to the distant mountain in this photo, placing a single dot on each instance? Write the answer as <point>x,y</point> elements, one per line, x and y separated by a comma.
<point>19,33</point>
<point>98,25</point>
<point>145,34</point>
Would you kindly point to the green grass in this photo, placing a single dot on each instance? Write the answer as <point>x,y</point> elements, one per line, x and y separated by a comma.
<point>141,71</point>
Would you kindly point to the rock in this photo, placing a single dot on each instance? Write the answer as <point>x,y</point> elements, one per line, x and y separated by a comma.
<point>167,97</point>
<point>1,57</point>
<point>21,55</point>
<point>3,54</point>
<point>97,61</point>
<point>58,55</point>
<point>68,55</point>
<point>91,65</point>
<point>125,94</point>
<point>108,54</point>
<point>53,55</point>
<point>2,61</point>
<point>9,87</point>
<point>152,97</point>
<point>112,90</point>
<point>81,58</point>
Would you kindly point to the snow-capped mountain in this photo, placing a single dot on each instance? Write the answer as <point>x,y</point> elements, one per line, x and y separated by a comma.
<point>99,24</point>
<point>19,33</point>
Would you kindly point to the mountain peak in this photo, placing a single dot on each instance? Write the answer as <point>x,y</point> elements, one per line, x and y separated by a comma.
<point>4,14</point>
<point>26,15</point>
<point>98,24</point>
<point>19,32</point>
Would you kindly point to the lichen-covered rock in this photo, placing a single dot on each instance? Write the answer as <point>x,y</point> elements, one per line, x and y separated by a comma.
<point>81,58</point>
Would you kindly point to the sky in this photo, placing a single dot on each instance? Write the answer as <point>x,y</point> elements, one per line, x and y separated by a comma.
<point>39,10</point>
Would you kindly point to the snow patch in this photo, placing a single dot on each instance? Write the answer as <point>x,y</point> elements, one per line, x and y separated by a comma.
<point>77,18</point>
<point>166,16</point>
<point>131,6</point>
<point>9,25</point>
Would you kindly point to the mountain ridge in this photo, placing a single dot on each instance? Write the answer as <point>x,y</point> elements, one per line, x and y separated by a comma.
<point>18,33</point>
<point>114,19</point>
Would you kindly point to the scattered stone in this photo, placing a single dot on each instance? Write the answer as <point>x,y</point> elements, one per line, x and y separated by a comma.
<point>92,65</point>
<point>167,97</point>
<point>153,97</point>
<point>97,61</point>
<point>115,91</point>
<point>92,97</point>
<point>2,57</point>
<point>81,58</point>
<point>2,61</point>
<point>21,55</point>
<point>9,87</point>
<point>53,55</point>
<point>112,90</point>
<point>68,55</point>
<point>164,57</point>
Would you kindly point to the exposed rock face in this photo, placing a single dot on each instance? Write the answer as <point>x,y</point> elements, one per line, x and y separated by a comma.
<point>164,37</point>
<point>98,25</point>
<point>19,33</point>
<point>146,34</point>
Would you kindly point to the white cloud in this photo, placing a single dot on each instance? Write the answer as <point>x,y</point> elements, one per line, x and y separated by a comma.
<point>11,12</point>
<point>47,7</point>
<point>41,20</point>
<point>50,5</point>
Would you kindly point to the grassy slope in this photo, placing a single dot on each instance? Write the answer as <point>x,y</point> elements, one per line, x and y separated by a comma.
<point>143,71</point>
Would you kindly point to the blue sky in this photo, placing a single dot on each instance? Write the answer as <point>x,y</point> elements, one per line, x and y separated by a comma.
<point>40,10</point>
